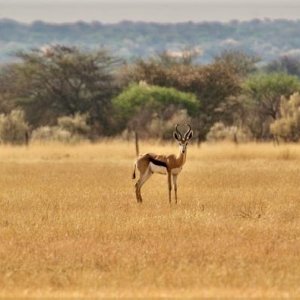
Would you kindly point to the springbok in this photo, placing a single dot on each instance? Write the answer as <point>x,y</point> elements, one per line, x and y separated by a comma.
<point>150,163</point>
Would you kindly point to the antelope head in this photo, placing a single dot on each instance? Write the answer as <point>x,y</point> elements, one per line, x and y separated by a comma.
<point>183,140</point>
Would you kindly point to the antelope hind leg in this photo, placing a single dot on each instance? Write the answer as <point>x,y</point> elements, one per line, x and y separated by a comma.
<point>140,183</point>
<point>138,193</point>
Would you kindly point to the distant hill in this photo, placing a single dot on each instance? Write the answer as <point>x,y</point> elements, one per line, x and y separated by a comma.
<point>268,39</point>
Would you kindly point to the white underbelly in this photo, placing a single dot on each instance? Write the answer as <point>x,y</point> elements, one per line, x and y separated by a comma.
<point>176,171</point>
<point>163,170</point>
<point>157,169</point>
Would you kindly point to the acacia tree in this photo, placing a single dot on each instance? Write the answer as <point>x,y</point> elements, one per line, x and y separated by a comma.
<point>262,94</point>
<point>212,84</point>
<point>139,105</point>
<point>56,81</point>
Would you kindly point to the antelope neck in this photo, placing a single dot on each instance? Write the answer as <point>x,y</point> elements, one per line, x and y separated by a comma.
<point>181,157</point>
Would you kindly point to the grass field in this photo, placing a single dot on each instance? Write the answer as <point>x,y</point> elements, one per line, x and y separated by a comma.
<point>70,225</point>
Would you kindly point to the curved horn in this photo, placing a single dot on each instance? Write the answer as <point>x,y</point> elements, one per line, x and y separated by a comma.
<point>189,130</point>
<point>176,128</point>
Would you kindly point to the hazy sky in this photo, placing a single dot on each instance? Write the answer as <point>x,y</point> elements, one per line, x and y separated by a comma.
<point>147,10</point>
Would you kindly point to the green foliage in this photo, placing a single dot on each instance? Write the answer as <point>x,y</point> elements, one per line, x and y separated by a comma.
<point>137,101</point>
<point>263,85</point>
<point>287,127</point>
<point>13,128</point>
<point>262,94</point>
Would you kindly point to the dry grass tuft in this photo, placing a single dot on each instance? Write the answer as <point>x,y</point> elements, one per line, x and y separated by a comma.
<point>252,210</point>
<point>70,225</point>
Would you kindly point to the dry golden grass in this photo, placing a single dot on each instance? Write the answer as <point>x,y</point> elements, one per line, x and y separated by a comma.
<point>70,225</point>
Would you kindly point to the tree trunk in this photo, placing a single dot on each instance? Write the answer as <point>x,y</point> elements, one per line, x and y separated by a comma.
<point>27,138</point>
<point>200,139</point>
<point>137,149</point>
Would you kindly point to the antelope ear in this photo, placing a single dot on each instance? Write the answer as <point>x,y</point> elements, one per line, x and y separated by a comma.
<point>176,136</point>
<point>190,135</point>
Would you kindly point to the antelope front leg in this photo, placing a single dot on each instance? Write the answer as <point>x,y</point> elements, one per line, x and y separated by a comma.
<point>175,186</point>
<point>170,186</point>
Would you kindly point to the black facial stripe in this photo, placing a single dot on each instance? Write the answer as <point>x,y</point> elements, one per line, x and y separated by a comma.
<point>158,162</point>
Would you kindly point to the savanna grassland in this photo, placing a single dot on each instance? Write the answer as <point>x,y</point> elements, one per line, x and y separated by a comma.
<point>70,224</point>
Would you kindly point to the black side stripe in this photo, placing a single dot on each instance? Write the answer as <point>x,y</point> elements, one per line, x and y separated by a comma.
<point>157,162</point>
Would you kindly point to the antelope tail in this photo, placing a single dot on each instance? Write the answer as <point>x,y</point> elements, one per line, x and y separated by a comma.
<point>133,174</point>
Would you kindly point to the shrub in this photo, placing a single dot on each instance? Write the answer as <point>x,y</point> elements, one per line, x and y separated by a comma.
<point>153,99</point>
<point>69,130</point>
<point>164,129</point>
<point>219,132</point>
<point>75,125</point>
<point>51,133</point>
<point>287,127</point>
<point>13,128</point>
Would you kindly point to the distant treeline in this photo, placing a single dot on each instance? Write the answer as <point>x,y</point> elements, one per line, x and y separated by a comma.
<point>266,39</point>
<point>69,94</point>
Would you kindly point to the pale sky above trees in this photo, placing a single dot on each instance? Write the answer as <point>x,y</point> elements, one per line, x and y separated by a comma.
<point>110,11</point>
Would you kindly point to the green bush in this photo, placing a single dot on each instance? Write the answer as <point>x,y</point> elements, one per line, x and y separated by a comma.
<point>154,98</point>
<point>261,105</point>
<point>152,110</point>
